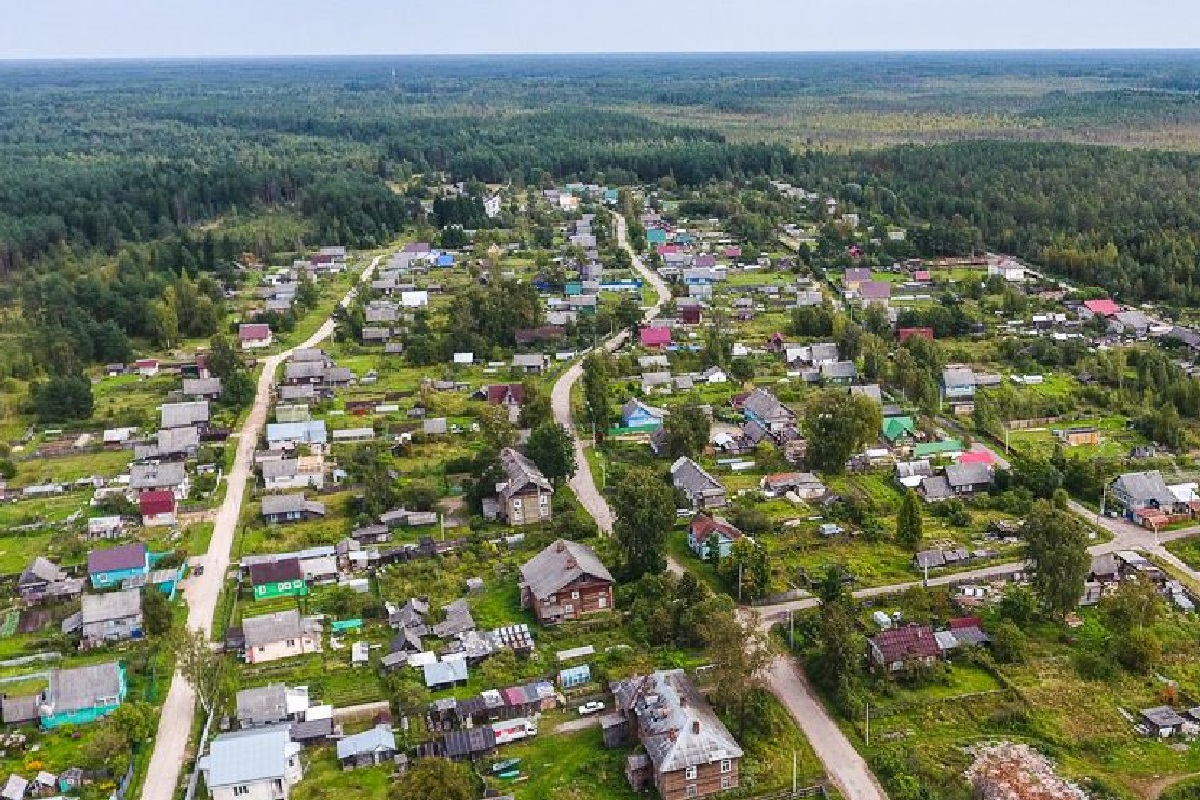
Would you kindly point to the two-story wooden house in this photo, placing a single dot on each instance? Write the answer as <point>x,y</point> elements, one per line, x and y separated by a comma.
<point>565,581</point>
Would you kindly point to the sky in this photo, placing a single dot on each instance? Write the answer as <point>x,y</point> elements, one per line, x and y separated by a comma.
<point>186,28</point>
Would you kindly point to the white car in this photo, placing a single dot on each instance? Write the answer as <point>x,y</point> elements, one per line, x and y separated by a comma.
<point>591,708</point>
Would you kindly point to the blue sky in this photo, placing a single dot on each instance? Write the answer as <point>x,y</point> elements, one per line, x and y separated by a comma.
<point>163,28</point>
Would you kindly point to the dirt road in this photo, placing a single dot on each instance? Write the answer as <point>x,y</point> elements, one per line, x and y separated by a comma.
<point>202,592</point>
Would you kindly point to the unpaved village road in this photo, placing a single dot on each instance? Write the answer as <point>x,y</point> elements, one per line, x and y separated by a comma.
<point>202,592</point>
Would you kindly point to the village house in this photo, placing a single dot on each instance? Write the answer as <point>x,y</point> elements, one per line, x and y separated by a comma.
<point>82,694</point>
<point>565,581</point>
<point>904,648</point>
<point>280,509</point>
<point>652,337</point>
<point>44,579</point>
<point>170,476</point>
<point>254,335</point>
<point>202,388</point>
<point>705,531</point>
<point>689,753</point>
<point>157,508</point>
<point>701,489</point>
<point>968,479</point>
<point>281,578</point>
<point>108,568</point>
<point>304,472</point>
<point>111,527</point>
<point>280,635</point>
<point>636,414</point>
<point>270,705</point>
<point>367,749</point>
<point>764,408</point>
<point>525,496</point>
<point>110,617</point>
<point>252,764</point>
<point>289,435</point>
<point>531,363</point>
<point>1146,499</point>
<point>184,415</point>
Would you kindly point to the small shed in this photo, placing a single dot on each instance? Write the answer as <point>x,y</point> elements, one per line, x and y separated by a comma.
<point>571,677</point>
<point>1163,721</point>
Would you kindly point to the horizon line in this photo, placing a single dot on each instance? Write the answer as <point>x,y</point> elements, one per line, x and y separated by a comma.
<point>217,57</point>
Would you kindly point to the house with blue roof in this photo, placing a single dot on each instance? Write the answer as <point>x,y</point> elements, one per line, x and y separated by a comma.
<point>445,260</point>
<point>293,434</point>
<point>252,764</point>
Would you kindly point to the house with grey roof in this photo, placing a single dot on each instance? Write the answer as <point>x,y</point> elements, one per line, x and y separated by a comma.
<point>524,497</point>
<point>271,705</point>
<point>170,443</point>
<point>170,476</point>
<point>445,674</point>
<point>565,581</point>
<point>701,489</point>
<point>838,372</point>
<point>202,388</point>
<point>284,508</point>
<point>280,635</point>
<point>111,617</point>
<point>689,752</point>
<point>252,764</point>
<point>967,479</point>
<point>764,408</point>
<point>1136,492</point>
<point>367,749</point>
<point>183,415</point>
<point>531,363</point>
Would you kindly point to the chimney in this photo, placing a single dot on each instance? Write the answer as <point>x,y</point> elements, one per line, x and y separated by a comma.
<point>560,547</point>
<point>572,563</point>
<point>695,727</point>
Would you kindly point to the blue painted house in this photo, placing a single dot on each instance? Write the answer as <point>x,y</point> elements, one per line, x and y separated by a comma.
<point>83,694</point>
<point>704,531</point>
<point>636,414</point>
<point>445,260</point>
<point>109,568</point>
<point>656,236</point>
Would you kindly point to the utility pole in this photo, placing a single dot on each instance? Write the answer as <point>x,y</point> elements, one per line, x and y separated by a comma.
<point>795,775</point>
<point>791,629</point>
<point>739,582</point>
<point>868,724</point>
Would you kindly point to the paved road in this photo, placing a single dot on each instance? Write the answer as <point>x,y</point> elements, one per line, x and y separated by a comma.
<point>583,483</point>
<point>202,592</point>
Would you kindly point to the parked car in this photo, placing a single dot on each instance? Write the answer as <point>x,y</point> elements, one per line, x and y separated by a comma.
<point>592,707</point>
<point>199,570</point>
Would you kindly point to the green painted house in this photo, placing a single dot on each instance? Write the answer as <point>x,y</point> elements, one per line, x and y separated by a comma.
<point>282,578</point>
<point>83,694</point>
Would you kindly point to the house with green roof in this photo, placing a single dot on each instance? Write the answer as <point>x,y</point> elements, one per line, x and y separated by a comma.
<point>943,448</point>
<point>896,428</point>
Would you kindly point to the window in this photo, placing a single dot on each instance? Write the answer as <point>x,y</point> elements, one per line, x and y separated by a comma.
<point>291,643</point>
<point>691,789</point>
<point>726,781</point>
<point>239,791</point>
<point>516,502</point>
<point>284,585</point>
<point>574,595</point>
<point>568,609</point>
<point>690,773</point>
<point>602,601</point>
<point>726,766</point>
<point>543,499</point>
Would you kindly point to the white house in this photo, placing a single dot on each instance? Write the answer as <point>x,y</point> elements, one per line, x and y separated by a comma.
<point>252,764</point>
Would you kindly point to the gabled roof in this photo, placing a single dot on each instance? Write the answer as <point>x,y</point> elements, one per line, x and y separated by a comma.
<point>181,415</point>
<point>285,569</point>
<point>157,476</point>
<point>560,564</point>
<point>907,642</point>
<point>634,405</point>
<point>764,405</point>
<point>84,687</point>
<point>692,478</point>
<point>704,526</point>
<point>270,628</point>
<point>655,336</point>
<point>376,739</point>
<point>895,427</point>
<point>290,504</point>
<point>264,704</point>
<point>127,556</point>
<point>158,501</point>
<point>249,756</point>
<point>1104,307</point>
<point>1145,486</point>
<point>111,606</point>
<point>521,473</point>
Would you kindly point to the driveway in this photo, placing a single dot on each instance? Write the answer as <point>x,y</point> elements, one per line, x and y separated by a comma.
<point>202,592</point>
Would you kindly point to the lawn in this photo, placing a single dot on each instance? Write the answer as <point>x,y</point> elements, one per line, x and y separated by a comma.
<point>324,779</point>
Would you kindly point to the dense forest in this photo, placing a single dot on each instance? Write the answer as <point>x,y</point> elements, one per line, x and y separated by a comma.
<point>125,188</point>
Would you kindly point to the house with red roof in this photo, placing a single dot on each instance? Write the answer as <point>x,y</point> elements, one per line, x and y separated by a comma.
<point>923,276</point>
<point>705,531</point>
<point>157,508</point>
<point>147,367</point>
<point>978,457</point>
<point>503,394</point>
<point>655,337</point>
<point>905,647</point>
<point>1103,308</point>
<point>254,334</point>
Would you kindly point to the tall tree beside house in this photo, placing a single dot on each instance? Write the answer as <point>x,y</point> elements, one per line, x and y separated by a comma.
<point>688,429</point>
<point>156,612</point>
<point>596,369</point>
<point>535,405</point>
<point>909,523</point>
<point>644,508</point>
<point>837,661</point>
<point>740,653</point>
<point>223,358</point>
<point>434,779</point>
<point>208,671</point>
<point>1056,545</point>
<point>553,450</point>
<point>838,425</point>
